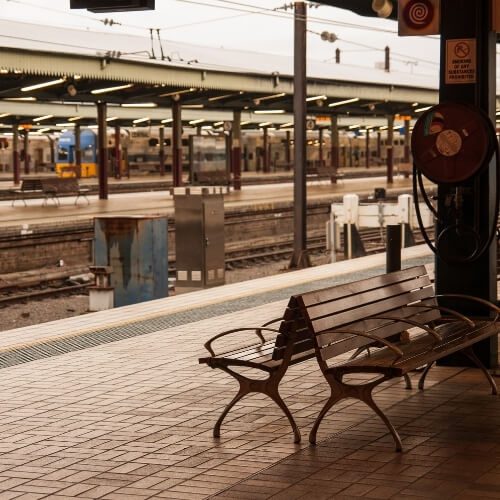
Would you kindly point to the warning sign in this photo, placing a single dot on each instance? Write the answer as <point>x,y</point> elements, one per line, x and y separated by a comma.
<point>461,64</point>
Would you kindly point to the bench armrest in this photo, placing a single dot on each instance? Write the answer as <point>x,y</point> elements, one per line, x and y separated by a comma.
<point>471,298</point>
<point>411,322</point>
<point>451,312</point>
<point>390,345</point>
<point>258,331</point>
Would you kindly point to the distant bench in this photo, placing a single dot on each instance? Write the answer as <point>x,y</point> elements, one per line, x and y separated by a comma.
<point>50,188</point>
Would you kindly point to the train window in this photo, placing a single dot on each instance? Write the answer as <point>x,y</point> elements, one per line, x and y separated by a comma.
<point>185,142</point>
<point>168,142</point>
<point>153,142</point>
<point>62,154</point>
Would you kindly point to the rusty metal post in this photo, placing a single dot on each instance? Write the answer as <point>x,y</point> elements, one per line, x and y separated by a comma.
<point>15,154</point>
<point>300,257</point>
<point>26,151</point>
<point>390,149</point>
<point>176,144</point>
<point>102,150</point>
<point>78,151</point>
<point>161,151</point>
<point>236,150</point>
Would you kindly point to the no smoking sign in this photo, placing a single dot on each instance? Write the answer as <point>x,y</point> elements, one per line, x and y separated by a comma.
<point>418,17</point>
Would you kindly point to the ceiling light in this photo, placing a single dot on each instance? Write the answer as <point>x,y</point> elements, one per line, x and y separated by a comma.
<point>207,127</point>
<point>112,89</point>
<point>194,122</point>
<point>415,104</point>
<point>286,125</point>
<point>420,110</point>
<point>41,118</point>
<point>218,124</point>
<point>273,96</point>
<point>140,105</point>
<point>42,130</point>
<point>3,115</point>
<point>193,106</point>
<point>269,112</point>
<point>141,120</point>
<point>20,99</point>
<point>65,124</point>
<point>244,123</point>
<point>264,124</point>
<point>316,98</point>
<point>352,127</point>
<point>42,85</point>
<point>167,120</point>
<point>112,119</point>
<point>383,127</point>
<point>177,92</point>
<point>74,118</point>
<point>340,103</point>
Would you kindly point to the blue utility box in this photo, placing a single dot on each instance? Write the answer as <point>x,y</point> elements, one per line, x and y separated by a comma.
<point>136,249</point>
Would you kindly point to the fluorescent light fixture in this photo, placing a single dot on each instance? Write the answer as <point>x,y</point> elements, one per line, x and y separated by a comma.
<point>352,127</point>
<point>51,83</point>
<point>316,98</point>
<point>269,112</point>
<point>415,104</point>
<point>273,96</point>
<point>421,110</point>
<point>41,118</point>
<point>4,71</point>
<point>167,120</point>
<point>3,115</point>
<point>93,127</point>
<point>341,103</point>
<point>383,127</point>
<point>141,120</point>
<point>20,99</point>
<point>219,97</point>
<point>140,105</point>
<point>286,125</point>
<point>74,118</point>
<point>207,127</point>
<point>111,118</point>
<point>178,92</point>
<point>112,89</point>
<point>244,123</point>
<point>218,124</point>
<point>65,124</point>
<point>194,122</point>
<point>264,124</point>
<point>42,130</point>
<point>193,106</point>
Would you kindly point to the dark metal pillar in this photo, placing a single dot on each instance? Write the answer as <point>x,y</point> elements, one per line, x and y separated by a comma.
<point>26,147</point>
<point>320,152</point>
<point>335,147</point>
<point>15,154</point>
<point>466,20</point>
<point>379,146</point>
<point>78,151</point>
<point>265,152</point>
<point>176,144</point>
<point>118,170</point>
<point>406,157</point>
<point>236,150</point>
<point>300,257</point>
<point>390,149</point>
<point>161,152</point>
<point>103,150</point>
<point>367,148</point>
<point>288,152</point>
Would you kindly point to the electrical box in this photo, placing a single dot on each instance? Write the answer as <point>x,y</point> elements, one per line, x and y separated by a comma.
<point>99,6</point>
<point>199,238</point>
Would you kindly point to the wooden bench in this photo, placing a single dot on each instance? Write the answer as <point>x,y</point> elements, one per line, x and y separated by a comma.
<point>55,186</point>
<point>398,313</point>
<point>271,356</point>
<point>27,187</point>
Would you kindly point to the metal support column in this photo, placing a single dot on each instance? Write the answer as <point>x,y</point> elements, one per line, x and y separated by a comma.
<point>288,152</point>
<point>467,23</point>
<point>265,153</point>
<point>236,150</point>
<point>26,151</point>
<point>335,149</point>
<point>78,151</point>
<point>320,152</point>
<point>118,170</point>
<point>300,257</point>
<point>15,154</point>
<point>176,144</point>
<point>162,150</point>
<point>367,148</point>
<point>103,150</point>
<point>379,146</point>
<point>390,149</point>
<point>406,157</point>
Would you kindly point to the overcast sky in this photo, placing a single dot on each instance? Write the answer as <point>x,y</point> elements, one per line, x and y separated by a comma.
<point>255,25</point>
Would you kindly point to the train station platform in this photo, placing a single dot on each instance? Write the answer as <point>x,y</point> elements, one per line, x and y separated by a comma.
<point>114,405</point>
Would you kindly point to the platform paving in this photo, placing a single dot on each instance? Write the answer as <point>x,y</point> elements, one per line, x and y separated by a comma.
<point>133,419</point>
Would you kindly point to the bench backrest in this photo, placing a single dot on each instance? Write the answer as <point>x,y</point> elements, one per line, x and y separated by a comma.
<point>349,307</point>
<point>31,185</point>
<point>61,184</point>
